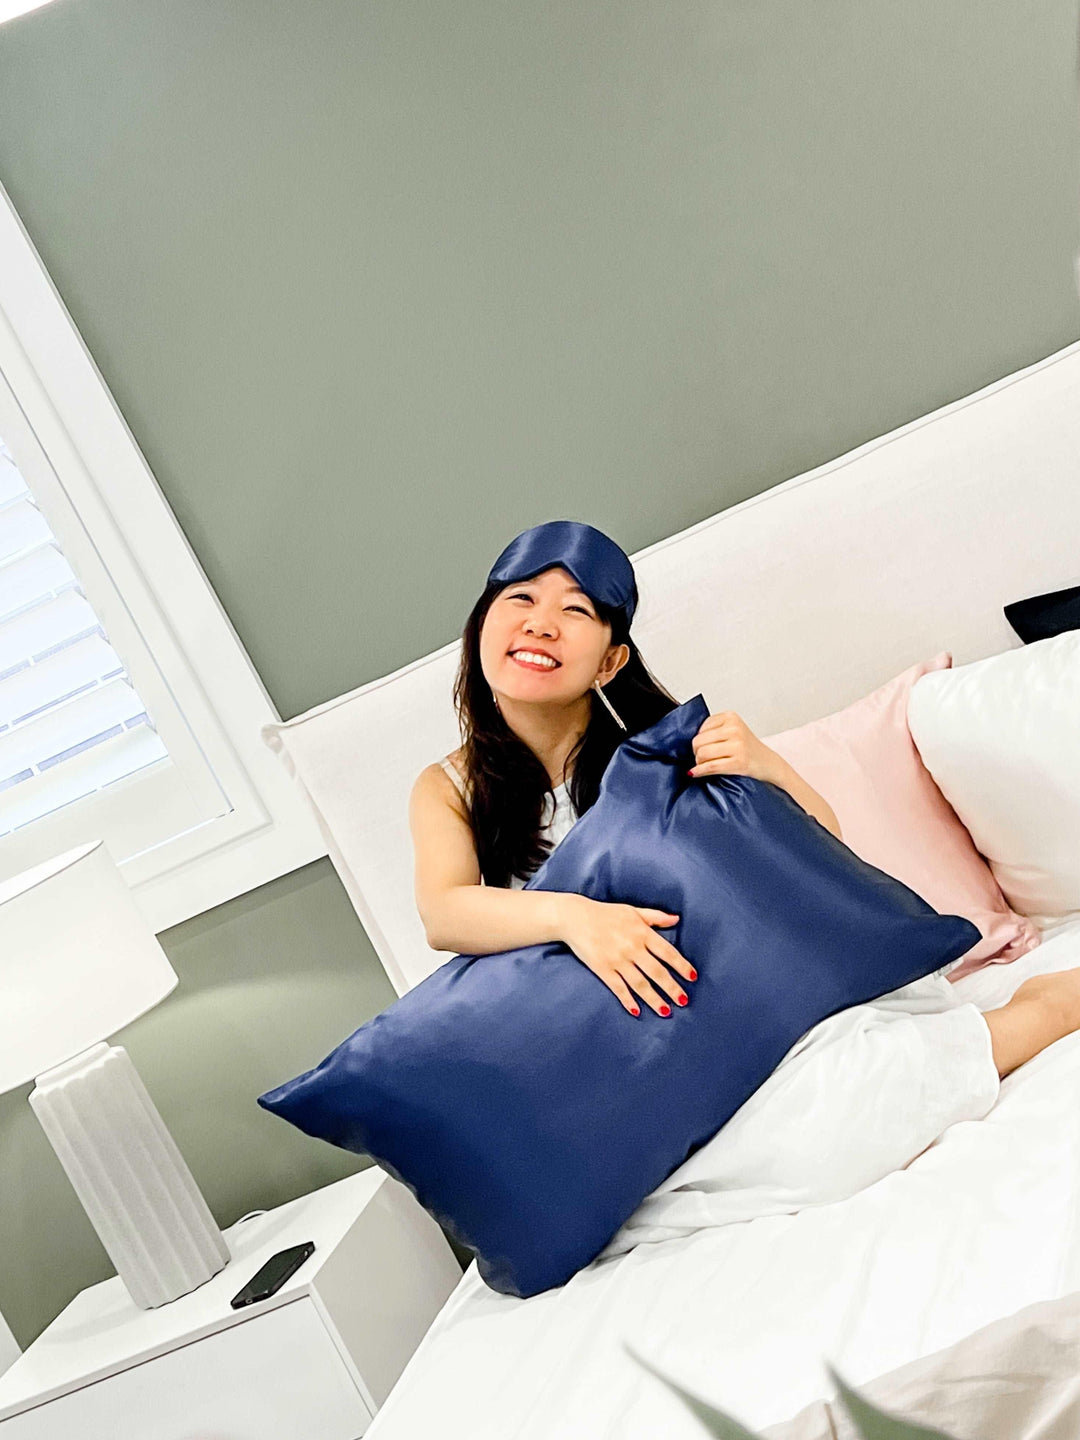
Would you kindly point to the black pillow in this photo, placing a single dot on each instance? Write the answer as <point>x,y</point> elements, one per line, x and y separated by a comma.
<point>1045,615</point>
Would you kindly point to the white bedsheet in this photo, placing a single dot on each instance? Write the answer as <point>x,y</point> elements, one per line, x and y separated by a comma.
<point>792,1237</point>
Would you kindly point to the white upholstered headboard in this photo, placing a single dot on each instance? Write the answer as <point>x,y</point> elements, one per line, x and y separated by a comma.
<point>783,608</point>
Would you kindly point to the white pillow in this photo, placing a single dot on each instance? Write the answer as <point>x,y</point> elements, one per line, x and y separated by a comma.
<point>1001,737</point>
<point>356,758</point>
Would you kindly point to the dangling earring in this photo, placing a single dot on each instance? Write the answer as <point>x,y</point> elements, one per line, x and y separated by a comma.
<point>614,713</point>
<point>496,699</point>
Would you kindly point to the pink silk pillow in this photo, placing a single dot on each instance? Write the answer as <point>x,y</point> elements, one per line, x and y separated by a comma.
<point>892,814</point>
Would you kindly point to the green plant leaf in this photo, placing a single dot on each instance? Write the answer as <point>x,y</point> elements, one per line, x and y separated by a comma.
<point>722,1426</point>
<point>875,1424</point>
<point>871,1423</point>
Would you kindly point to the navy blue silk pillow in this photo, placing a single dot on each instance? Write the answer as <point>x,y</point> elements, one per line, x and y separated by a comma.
<point>530,1113</point>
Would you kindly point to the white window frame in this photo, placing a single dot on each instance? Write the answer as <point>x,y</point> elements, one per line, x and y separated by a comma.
<point>269,828</point>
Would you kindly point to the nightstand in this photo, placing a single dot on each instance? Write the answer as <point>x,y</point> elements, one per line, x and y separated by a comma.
<point>315,1360</point>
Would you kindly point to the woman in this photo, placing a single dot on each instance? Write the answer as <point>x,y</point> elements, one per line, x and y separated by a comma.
<point>549,684</point>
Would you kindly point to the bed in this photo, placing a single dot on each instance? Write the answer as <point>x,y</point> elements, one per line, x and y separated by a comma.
<point>785,607</point>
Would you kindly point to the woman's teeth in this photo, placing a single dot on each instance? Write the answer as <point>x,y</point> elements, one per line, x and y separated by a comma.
<point>533,661</point>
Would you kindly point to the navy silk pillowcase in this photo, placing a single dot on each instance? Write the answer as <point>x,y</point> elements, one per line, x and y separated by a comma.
<point>526,1110</point>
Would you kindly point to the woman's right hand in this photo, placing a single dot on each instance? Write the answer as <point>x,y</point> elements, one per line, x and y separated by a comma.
<point>619,944</point>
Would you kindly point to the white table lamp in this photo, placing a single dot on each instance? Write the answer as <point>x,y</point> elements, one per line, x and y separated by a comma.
<point>78,962</point>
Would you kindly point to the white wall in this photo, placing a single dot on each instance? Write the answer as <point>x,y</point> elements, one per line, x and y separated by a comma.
<point>9,1351</point>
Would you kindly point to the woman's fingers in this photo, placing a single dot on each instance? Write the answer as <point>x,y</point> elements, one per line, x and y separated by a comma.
<point>618,986</point>
<point>640,986</point>
<point>635,963</point>
<point>657,917</point>
<point>660,975</point>
<point>665,951</point>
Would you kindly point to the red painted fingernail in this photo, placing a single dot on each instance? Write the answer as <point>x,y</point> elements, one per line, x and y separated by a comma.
<point>693,974</point>
<point>690,772</point>
<point>665,1009</point>
<point>636,1010</point>
<point>680,999</point>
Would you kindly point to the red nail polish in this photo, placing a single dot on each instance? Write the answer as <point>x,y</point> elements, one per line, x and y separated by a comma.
<point>665,1009</point>
<point>636,1010</point>
<point>693,974</point>
<point>681,1000</point>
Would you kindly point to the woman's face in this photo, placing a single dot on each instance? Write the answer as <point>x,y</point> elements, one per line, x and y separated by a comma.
<point>547,616</point>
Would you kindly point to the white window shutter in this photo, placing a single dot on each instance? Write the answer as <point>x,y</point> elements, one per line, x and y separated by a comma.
<point>71,721</point>
<point>129,709</point>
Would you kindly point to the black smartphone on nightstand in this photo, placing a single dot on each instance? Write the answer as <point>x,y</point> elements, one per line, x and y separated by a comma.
<point>272,1276</point>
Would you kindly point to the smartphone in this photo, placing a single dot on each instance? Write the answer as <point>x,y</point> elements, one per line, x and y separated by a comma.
<point>272,1276</point>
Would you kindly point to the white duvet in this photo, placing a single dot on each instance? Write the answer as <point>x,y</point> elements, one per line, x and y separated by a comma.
<point>879,1197</point>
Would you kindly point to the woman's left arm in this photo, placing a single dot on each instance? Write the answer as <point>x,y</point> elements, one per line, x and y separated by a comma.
<point>725,745</point>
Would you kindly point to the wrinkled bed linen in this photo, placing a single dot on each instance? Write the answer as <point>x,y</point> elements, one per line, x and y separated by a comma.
<point>982,1222</point>
<point>861,1094</point>
<point>1016,1379</point>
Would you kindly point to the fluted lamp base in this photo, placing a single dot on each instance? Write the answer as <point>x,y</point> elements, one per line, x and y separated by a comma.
<point>132,1180</point>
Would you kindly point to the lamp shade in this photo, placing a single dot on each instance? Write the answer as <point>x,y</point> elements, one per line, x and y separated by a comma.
<point>77,961</point>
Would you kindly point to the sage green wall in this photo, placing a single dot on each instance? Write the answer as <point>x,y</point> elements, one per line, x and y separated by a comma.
<point>376,286</point>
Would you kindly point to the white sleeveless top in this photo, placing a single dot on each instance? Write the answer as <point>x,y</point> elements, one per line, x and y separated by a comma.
<point>555,819</point>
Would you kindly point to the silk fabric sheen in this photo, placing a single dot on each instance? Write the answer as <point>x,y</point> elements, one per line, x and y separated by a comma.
<point>601,568</point>
<point>525,1108</point>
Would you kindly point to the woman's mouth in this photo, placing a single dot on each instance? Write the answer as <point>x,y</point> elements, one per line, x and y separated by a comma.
<point>533,660</point>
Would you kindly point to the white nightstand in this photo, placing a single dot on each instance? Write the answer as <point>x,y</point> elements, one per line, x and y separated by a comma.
<point>315,1360</point>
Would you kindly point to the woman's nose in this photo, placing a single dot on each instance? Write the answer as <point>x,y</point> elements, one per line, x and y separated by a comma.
<point>536,625</point>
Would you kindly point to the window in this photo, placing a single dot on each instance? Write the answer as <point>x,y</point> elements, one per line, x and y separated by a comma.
<point>129,710</point>
<point>70,720</point>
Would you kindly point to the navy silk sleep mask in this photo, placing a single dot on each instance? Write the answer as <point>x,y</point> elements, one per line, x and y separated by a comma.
<point>599,566</point>
<point>525,1109</point>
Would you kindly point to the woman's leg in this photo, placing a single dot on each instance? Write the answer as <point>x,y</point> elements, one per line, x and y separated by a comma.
<point>860,1095</point>
<point>1042,1010</point>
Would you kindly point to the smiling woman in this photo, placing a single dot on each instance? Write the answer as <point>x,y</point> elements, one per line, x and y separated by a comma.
<point>548,629</point>
<point>549,636</point>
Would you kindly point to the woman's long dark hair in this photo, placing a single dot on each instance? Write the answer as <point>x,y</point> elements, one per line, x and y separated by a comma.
<point>505,783</point>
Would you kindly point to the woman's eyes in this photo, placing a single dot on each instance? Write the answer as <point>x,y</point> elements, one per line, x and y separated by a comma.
<point>521,595</point>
